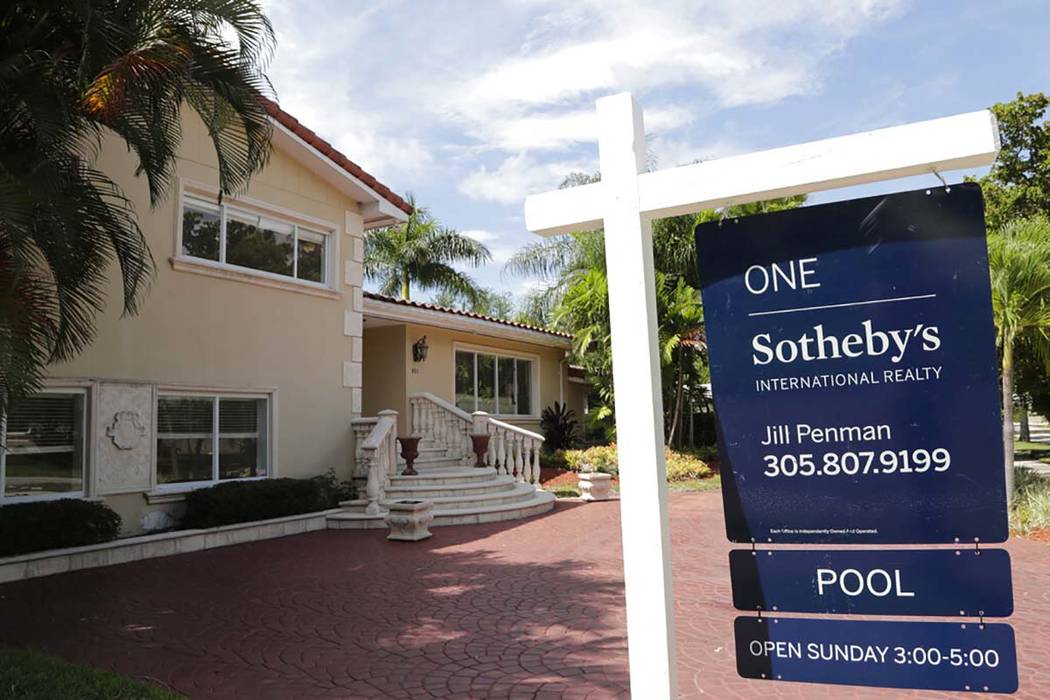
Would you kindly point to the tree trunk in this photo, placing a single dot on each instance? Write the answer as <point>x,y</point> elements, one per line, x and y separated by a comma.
<point>1025,434</point>
<point>676,419</point>
<point>404,285</point>
<point>1008,417</point>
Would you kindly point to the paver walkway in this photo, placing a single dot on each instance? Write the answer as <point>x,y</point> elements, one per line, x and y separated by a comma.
<point>523,609</point>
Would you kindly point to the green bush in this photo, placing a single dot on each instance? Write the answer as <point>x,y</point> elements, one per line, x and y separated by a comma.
<point>602,458</point>
<point>246,501</point>
<point>1030,509</point>
<point>682,466</point>
<point>33,676</point>
<point>65,522</point>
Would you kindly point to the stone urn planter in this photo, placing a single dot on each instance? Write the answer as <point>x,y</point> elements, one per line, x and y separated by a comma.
<point>595,486</point>
<point>409,452</point>
<point>480,446</point>
<point>409,521</point>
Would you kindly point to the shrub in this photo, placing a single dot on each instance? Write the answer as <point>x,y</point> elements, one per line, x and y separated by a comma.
<point>66,522</point>
<point>682,466</point>
<point>1030,509</point>
<point>559,426</point>
<point>602,458</point>
<point>33,676</point>
<point>245,501</point>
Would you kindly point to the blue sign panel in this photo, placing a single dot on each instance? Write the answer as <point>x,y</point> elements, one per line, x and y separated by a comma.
<point>854,371</point>
<point>932,655</point>
<point>874,582</point>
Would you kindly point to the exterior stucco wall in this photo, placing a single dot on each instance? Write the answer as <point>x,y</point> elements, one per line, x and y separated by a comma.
<point>384,377</point>
<point>215,333</point>
<point>576,399</point>
<point>436,375</point>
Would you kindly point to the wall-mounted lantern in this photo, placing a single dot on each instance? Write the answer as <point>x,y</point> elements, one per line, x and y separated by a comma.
<point>419,349</point>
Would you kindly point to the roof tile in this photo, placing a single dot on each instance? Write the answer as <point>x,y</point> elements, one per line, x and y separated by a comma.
<point>327,150</point>
<point>460,312</point>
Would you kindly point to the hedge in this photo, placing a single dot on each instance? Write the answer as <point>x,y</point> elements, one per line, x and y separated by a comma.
<point>29,675</point>
<point>246,501</point>
<point>57,524</point>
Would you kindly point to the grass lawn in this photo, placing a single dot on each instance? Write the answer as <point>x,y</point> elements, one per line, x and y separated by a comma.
<point>1040,448</point>
<point>711,483</point>
<point>30,675</point>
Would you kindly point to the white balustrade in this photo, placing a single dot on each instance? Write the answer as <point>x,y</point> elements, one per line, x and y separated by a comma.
<point>512,450</point>
<point>378,459</point>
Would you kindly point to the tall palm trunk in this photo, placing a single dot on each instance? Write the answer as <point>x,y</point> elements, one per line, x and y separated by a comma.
<point>405,285</point>
<point>678,398</point>
<point>1025,433</point>
<point>1008,416</point>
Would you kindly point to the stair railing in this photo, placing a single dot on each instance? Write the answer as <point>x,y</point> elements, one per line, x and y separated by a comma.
<point>378,458</point>
<point>512,450</point>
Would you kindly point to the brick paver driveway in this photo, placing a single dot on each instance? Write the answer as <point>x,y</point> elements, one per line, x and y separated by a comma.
<point>524,609</point>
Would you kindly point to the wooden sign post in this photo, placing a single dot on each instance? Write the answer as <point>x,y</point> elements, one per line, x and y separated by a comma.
<point>624,203</point>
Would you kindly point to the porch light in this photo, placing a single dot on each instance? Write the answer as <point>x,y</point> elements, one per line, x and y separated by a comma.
<point>419,349</point>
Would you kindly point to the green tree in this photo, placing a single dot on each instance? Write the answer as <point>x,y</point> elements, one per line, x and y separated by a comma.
<point>1019,262</point>
<point>488,302</point>
<point>70,73</point>
<point>422,252</point>
<point>575,299</point>
<point>1018,185</point>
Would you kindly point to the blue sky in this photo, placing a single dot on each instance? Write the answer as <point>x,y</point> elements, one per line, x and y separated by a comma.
<point>473,105</point>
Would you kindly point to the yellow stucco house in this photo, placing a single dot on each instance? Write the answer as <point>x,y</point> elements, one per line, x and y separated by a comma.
<point>258,354</point>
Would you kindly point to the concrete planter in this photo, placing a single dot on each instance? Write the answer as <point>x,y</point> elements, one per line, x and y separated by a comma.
<point>409,520</point>
<point>595,486</point>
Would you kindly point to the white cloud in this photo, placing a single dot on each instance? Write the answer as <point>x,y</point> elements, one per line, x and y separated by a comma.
<point>416,93</point>
<point>516,177</point>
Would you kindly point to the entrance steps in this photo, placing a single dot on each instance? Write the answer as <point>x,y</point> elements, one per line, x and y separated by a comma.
<point>461,496</point>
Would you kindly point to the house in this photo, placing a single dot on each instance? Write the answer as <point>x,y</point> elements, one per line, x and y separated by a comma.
<point>258,354</point>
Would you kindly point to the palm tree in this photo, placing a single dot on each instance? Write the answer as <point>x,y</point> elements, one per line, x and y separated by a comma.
<point>423,252</point>
<point>71,72</point>
<point>1019,263</point>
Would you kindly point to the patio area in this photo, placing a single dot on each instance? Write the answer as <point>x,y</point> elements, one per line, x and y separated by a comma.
<point>523,609</point>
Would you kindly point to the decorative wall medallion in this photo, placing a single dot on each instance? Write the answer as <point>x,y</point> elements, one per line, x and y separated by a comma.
<point>127,430</point>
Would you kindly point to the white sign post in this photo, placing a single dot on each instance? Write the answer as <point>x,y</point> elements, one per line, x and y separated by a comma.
<point>624,203</point>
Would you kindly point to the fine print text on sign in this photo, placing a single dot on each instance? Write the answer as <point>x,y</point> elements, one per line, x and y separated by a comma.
<point>854,371</point>
<point>932,655</point>
<point>946,582</point>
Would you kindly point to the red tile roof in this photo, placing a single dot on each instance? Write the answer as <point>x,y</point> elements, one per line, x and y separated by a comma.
<point>329,151</point>
<point>459,312</point>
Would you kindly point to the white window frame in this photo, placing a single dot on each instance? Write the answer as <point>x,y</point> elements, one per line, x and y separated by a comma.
<point>205,197</point>
<point>84,449</point>
<point>498,353</point>
<point>215,396</point>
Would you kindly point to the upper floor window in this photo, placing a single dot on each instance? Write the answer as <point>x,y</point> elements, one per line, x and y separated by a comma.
<point>496,384</point>
<point>234,236</point>
<point>45,446</point>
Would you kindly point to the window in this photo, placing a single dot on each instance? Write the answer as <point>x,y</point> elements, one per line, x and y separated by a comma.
<point>237,237</point>
<point>211,438</point>
<point>45,439</point>
<point>497,384</point>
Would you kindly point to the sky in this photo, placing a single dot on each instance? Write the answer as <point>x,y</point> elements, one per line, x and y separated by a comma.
<point>473,105</point>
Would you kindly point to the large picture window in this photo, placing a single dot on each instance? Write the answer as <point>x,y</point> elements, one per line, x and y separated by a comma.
<point>497,384</point>
<point>45,446</point>
<point>228,235</point>
<point>211,438</point>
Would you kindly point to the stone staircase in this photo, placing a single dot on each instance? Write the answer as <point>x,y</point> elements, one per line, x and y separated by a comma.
<point>461,494</point>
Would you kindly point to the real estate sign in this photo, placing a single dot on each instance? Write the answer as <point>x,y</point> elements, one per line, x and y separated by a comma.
<point>854,371</point>
<point>956,656</point>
